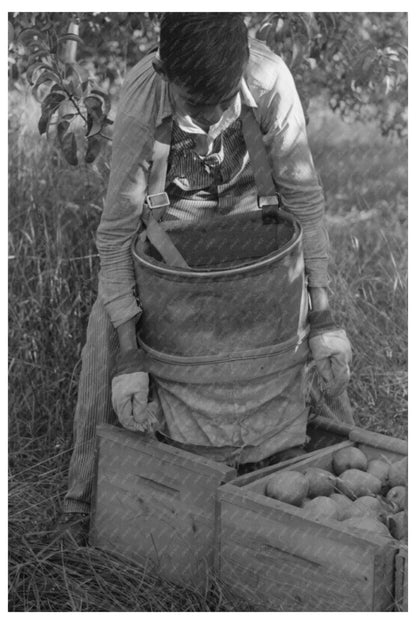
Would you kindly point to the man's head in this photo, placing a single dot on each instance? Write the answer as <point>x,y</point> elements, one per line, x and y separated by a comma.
<point>203,56</point>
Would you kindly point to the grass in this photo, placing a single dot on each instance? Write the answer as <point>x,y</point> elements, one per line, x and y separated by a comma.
<point>54,211</point>
<point>365,178</point>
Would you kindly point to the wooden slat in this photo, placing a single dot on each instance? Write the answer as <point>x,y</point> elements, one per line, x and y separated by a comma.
<point>319,542</point>
<point>151,446</point>
<point>268,470</point>
<point>401,579</point>
<point>284,581</point>
<point>147,473</point>
<point>379,441</point>
<point>331,426</point>
<point>378,453</point>
<point>383,599</point>
<point>319,459</point>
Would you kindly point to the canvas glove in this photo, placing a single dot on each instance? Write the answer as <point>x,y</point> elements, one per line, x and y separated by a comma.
<point>129,394</point>
<point>331,351</point>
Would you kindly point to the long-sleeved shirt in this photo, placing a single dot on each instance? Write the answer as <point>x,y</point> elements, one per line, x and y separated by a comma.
<point>268,87</point>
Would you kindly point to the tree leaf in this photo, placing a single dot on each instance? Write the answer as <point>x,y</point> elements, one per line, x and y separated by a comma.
<point>93,148</point>
<point>44,122</point>
<point>69,147</point>
<point>32,69</point>
<point>95,116</point>
<point>70,37</point>
<point>93,104</point>
<point>29,36</point>
<point>52,102</point>
<point>53,40</point>
<point>38,55</point>
<point>58,88</point>
<point>45,77</point>
<point>94,124</point>
<point>10,33</point>
<point>297,53</point>
<point>264,30</point>
<point>105,97</point>
<point>62,128</point>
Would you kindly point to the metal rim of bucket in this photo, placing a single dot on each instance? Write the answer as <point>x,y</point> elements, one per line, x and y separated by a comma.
<point>238,269</point>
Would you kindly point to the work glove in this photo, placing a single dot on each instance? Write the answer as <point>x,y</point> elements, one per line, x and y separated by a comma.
<point>331,351</point>
<point>129,394</point>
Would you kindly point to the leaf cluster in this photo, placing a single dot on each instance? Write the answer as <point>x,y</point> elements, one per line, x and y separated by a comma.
<point>358,59</point>
<point>73,109</point>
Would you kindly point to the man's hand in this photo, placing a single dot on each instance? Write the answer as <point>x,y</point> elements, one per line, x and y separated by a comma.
<point>130,402</point>
<point>331,351</point>
<point>329,345</point>
<point>130,385</point>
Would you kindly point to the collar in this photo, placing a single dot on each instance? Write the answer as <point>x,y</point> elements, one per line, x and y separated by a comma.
<point>165,108</point>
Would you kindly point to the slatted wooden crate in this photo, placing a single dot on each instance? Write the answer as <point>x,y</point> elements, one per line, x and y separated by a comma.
<point>400,581</point>
<point>156,504</point>
<point>270,553</point>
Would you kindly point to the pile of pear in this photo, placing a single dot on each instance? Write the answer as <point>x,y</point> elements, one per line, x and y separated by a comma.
<point>365,495</point>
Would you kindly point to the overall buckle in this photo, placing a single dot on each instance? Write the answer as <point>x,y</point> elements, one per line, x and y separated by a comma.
<point>157,204</point>
<point>270,207</point>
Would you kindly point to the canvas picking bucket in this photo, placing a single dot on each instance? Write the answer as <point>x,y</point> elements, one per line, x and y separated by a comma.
<point>225,337</point>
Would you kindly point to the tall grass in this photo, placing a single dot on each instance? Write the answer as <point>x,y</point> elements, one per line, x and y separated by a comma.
<point>54,211</point>
<point>365,177</point>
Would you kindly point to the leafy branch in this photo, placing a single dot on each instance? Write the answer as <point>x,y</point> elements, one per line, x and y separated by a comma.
<point>359,59</point>
<point>73,109</point>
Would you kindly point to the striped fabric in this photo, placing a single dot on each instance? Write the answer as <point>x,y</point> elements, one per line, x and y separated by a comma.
<point>220,184</point>
<point>93,406</point>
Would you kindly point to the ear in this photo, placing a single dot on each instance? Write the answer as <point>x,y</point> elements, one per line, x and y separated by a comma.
<point>159,68</point>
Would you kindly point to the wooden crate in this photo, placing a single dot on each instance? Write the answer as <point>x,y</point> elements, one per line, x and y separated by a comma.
<point>272,555</point>
<point>156,505</point>
<point>400,581</point>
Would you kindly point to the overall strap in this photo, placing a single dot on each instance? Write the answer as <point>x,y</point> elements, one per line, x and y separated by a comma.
<point>260,160</point>
<point>157,200</point>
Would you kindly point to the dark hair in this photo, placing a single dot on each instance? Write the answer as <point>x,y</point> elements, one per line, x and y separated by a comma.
<point>204,52</point>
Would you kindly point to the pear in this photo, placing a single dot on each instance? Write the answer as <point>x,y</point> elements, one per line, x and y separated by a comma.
<point>288,486</point>
<point>346,458</point>
<point>380,469</point>
<point>321,482</point>
<point>396,497</point>
<point>370,506</point>
<point>398,473</point>
<point>355,483</point>
<point>344,505</point>
<point>398,525</point>
<point>367,524</point>
<point>320,508</point>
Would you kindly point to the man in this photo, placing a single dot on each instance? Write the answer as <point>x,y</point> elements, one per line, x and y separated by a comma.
<point>203,73</point>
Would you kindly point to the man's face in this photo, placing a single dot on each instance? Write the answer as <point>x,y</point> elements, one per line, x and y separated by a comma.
<point>203,112</point>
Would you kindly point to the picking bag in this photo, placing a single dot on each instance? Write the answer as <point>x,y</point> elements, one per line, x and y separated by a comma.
<point>225,336</point>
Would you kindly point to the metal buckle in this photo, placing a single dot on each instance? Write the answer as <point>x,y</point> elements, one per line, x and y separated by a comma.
<point>269,200</point>
<point>157,200</point>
